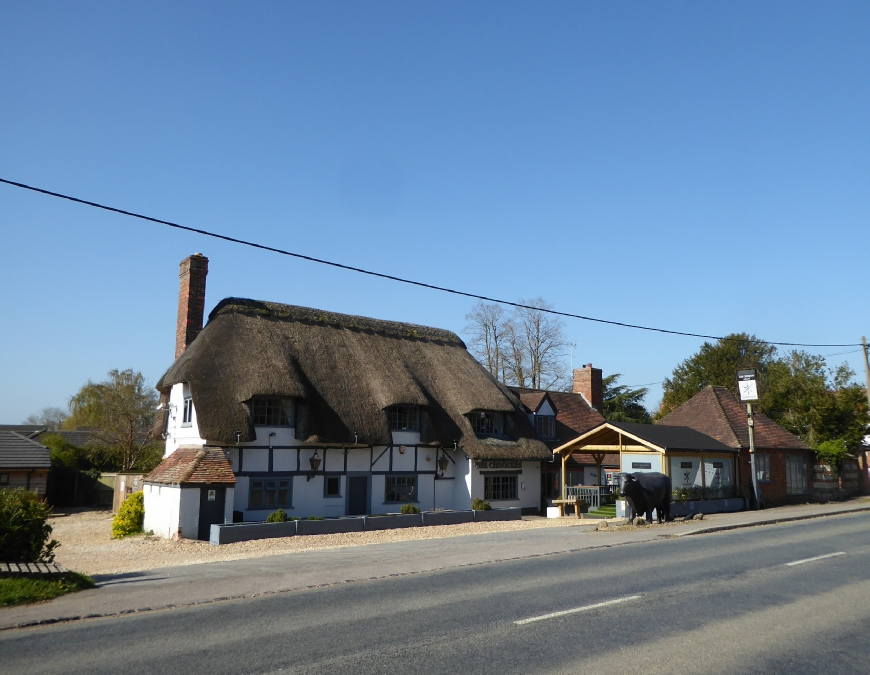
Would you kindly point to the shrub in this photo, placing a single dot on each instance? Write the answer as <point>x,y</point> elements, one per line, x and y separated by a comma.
<point>24,532</point>
<point>480,505</point>
<point>130,516</point>
<point>315,517</point>
<point>832,452</point>
<point>409,508</point>
<point>277,517</point>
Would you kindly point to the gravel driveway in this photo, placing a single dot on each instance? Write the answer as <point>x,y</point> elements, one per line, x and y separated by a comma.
<point>87,545</point>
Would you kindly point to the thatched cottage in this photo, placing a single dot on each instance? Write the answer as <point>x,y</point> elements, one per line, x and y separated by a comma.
<point>322,414</point>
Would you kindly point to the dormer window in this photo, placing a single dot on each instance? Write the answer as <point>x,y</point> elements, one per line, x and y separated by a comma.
<point>272,411</point>
<point>545,425</point>
<point>487,423</point>
<point>403,417</point>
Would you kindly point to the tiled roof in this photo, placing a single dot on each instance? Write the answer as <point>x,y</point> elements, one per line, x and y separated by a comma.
<point>574,416</point>
<point>715,411</point>
<point>26,430</point>
<point>18,452</point>
<point>610,459</point>
<point>672,437</point>
<point>193,465</point>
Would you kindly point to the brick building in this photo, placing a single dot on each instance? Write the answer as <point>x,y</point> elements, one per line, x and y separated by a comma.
<point>784,461</point>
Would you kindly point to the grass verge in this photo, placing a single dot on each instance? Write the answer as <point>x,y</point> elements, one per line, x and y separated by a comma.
<point>21,590</point>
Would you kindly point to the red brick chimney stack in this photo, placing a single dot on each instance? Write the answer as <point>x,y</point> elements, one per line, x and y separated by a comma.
<point>191,301</point>
<point>589,382</point>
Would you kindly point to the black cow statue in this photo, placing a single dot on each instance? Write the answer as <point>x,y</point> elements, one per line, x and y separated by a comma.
<point>646,492</point>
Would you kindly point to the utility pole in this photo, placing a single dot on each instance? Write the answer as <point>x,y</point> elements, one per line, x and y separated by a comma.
<point>866,368</point>
<point>748,389</point>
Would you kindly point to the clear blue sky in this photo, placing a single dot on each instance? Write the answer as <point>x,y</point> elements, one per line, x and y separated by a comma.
<point>700,166</point>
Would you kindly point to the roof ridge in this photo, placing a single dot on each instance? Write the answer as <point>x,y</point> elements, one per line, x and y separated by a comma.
<point>193,466</point>
<point>26,438</point>
<point>322,317</point>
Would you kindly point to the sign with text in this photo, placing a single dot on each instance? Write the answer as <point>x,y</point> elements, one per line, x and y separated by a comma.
<point>746,385</point>
<point>499,464</point>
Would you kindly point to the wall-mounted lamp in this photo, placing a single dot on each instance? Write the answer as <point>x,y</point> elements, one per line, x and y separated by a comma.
<point>314,461</point>
<point>270,439</point>
<point>238,437</point>
<point>443,463</point>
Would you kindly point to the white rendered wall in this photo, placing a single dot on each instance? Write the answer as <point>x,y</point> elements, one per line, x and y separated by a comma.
<point>178,433</point>
<point>162,506</point>
<point>654,459</point>
<point>462,487</point>
<point>528,487</point>
<point>188,520</point>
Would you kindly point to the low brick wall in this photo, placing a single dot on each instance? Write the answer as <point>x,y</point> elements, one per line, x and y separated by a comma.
<point>829,484</point>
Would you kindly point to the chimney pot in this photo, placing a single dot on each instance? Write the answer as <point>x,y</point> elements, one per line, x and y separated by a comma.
<point>191,301</point>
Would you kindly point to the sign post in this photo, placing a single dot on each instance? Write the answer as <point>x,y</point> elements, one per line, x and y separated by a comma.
<point>749,392</point>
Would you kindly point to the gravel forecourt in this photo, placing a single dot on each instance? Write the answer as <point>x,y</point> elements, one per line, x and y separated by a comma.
<point>86,543</point>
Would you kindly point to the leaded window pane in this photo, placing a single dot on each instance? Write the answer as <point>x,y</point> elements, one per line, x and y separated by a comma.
<point>272,411</point>
<point>400,488</point>
<point>403,417</point>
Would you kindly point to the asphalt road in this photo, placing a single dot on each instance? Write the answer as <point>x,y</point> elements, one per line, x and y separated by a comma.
<point>720,603</point>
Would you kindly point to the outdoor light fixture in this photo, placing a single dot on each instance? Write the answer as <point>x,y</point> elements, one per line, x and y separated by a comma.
<point>314,460</point>
<point>270,439</point>
<point>443,463</point>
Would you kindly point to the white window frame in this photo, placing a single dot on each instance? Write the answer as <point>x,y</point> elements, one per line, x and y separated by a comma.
<point>187,412</point>
<point>547,421</point>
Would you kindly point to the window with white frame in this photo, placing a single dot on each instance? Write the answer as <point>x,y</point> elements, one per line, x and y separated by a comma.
<point>545,425</point>
<point>500,487</point>
<point>400,488</point>
<point>403,417</point>
<point>762,467</point>
<point>487,423</point>
<point>187,413</point>
<point>267,493</point>
<point>272,411</point>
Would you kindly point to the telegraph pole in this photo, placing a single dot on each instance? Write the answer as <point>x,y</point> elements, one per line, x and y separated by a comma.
<point>866,367</point>
<point>749,392</point>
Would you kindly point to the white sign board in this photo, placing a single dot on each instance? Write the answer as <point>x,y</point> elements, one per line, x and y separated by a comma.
<point>747,386</point>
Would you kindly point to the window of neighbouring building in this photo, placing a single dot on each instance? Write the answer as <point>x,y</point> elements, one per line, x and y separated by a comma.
<point>269,493</point>
<point>272,411</point>
<point>487,423</point>
<point>500,487</point>
<point>796,475</point>
<point>4,479</point>
<point>402,488</point>
<point>545,425</point>
<point>187,413</point>
<point>332,486</point>
<point>762,467</point>
<point>403,417</point>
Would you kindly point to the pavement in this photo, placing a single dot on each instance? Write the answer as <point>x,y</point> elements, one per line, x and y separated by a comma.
<point>205,583</point>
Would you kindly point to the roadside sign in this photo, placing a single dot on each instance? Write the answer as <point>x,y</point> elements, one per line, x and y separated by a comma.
<point>747,386</point>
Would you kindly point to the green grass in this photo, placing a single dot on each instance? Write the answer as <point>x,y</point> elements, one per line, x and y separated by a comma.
<point>21,590</point>
<point>608,511</point>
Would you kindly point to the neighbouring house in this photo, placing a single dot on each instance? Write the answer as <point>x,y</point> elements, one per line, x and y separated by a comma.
<point>23,463</point>
<point>783,461</point>
<point>560,416</point>
<point>323,414</point>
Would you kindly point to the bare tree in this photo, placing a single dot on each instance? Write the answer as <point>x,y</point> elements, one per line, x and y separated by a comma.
<point>488,326</point>
<point>51,418</point>
<point>543,343</point>
<point>524,349</point>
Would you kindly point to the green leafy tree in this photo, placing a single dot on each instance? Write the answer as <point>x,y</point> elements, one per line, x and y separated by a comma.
<point>797,390</point>
<point>25,535</point>
<point>622,404</point>
<point>716,364</point>
<point>119,413</point>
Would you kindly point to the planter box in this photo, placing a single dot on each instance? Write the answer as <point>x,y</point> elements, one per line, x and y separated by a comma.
<point>330,526</point>
<point>232,533</point>
<point>708,506</point>
<point>393,522</point>
<point>447,517</point>
<point>512,513</point>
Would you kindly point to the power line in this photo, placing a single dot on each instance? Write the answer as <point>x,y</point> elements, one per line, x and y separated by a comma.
<point>381,275</point>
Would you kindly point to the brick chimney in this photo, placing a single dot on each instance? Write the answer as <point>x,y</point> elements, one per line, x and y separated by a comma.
<point>589,383</point>
<point>191,301</point>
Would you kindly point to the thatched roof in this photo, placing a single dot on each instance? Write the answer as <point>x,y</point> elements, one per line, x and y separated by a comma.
<point>343,371</point>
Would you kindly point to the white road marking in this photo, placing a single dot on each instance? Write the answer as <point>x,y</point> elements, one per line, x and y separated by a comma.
<point>553,615</point>
<point>818,557</point>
